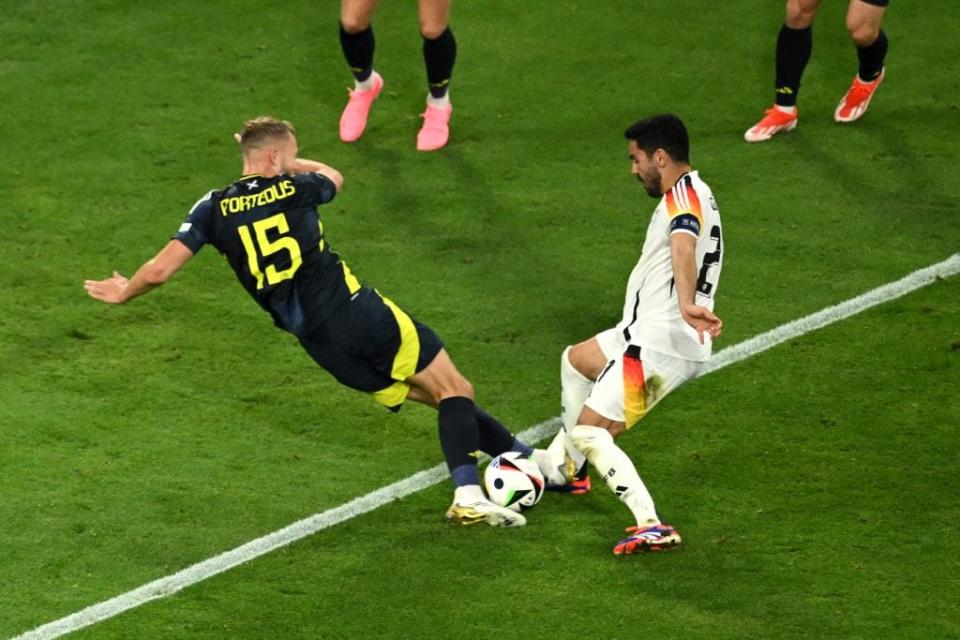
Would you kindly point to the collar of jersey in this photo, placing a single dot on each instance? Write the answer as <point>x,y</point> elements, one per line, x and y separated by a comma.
<point>685,173</point>
<point>252,175</point>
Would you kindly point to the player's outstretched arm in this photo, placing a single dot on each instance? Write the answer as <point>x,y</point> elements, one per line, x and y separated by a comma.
<point>312,166</point>
<point>683,254</point>
<point>118,289</point>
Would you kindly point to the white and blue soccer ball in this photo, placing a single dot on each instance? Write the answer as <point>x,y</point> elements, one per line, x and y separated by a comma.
<point>514,481</point>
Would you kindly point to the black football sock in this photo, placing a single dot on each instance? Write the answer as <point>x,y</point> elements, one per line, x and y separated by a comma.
<point>794,47</point>
<point>459,439</point>
<point>439,55</point>
<point>358,50</point>
<point>496,438</point>
<point>871,58</point>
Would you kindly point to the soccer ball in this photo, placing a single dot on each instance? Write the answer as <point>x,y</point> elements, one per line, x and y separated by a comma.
<point>514,481</point>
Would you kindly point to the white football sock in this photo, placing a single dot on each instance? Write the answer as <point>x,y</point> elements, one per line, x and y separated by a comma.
<point>440,103</point>
<point>468,494</point>
<point>618,470</point>
<point>784,109</point>
<point>574,389</point>
<point>546,461</point>
<point>555,462</point>
<point>367,84</point>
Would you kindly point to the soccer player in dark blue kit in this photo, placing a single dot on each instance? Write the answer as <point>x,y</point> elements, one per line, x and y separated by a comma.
<point>267,226</point>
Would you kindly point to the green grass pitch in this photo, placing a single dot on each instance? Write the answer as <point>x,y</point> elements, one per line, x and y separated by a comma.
<point>815,484</point>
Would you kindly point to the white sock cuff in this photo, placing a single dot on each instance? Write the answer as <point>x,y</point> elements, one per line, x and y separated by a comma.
<point>367,84</point>
<point>468,493</point>
<point>567,368</point>
<point>440,103</point>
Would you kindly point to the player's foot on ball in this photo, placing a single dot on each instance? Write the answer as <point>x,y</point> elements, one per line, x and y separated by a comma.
<point>575,481</point>
<point>773,122</point>
<point>436,128</point>
<point>551,469</point>
<point>641,539</point>
<point>484,511</point>
<point>354,118</point>
<point>855,102</point>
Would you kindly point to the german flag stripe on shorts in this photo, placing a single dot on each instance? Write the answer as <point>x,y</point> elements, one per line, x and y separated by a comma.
<point>634,388</point>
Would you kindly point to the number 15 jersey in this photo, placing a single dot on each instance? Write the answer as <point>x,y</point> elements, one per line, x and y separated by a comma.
<point>270,233</point>
<point>651,311</point>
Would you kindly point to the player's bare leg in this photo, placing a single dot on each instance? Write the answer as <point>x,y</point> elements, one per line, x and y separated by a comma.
<point>864,21</point>
<point>441,385</point>
<point>594,436</point>
<point>794,46</point>
<point>439,56</point>
<point>357,42</point>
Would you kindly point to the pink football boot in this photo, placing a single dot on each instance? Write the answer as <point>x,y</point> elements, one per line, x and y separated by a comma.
<point>354,118</point>
<point>436,128</point>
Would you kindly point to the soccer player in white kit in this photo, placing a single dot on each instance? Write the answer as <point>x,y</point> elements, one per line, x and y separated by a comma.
<point>610,381</point>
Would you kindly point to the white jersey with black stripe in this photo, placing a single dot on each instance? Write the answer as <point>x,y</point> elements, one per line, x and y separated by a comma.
<point>651,313</point>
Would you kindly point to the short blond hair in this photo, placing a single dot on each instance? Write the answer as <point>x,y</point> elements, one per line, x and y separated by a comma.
<point>259,130</point>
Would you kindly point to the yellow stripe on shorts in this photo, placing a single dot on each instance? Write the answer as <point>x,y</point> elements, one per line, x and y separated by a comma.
<point>405,360</point>
<point>353,285</point>
<point>392,396</point>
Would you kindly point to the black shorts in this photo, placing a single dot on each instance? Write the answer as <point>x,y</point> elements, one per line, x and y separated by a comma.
<point>370,344</point>
<point>877,3</point>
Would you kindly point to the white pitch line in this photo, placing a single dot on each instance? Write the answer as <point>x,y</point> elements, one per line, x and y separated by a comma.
<point>820,319</point>
<point>173,583</point>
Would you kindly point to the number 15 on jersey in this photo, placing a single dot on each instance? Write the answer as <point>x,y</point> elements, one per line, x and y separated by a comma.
<point>259,246</point>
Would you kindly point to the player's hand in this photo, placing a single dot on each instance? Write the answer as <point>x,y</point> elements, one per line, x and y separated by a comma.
<point>703,320</point>
<point>110,290</point>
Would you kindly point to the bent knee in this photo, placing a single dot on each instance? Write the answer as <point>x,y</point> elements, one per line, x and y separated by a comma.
<point>456,386</point>
<point>862,32</point>
<point>586,357</point>
<point>431,30</point>
<point>465,388</point>
<point>354,22</point>
<point>587,438</point>
<point>354,26</point>
<point>800,13</point>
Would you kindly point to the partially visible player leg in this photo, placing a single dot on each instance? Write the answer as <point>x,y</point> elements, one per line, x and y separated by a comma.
<point>794,46</point>
<point>357,43</point>
<point>864,20</point>
<point>401,359</point>
<point>494,437</point>
<point>439,56</point>
<point>580,365</point>
<point>595,438</point>
<point>622,395</point>
<point>442,385</point>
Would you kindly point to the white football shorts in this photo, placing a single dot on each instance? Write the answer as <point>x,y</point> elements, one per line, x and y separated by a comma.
<point>634,379</point>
